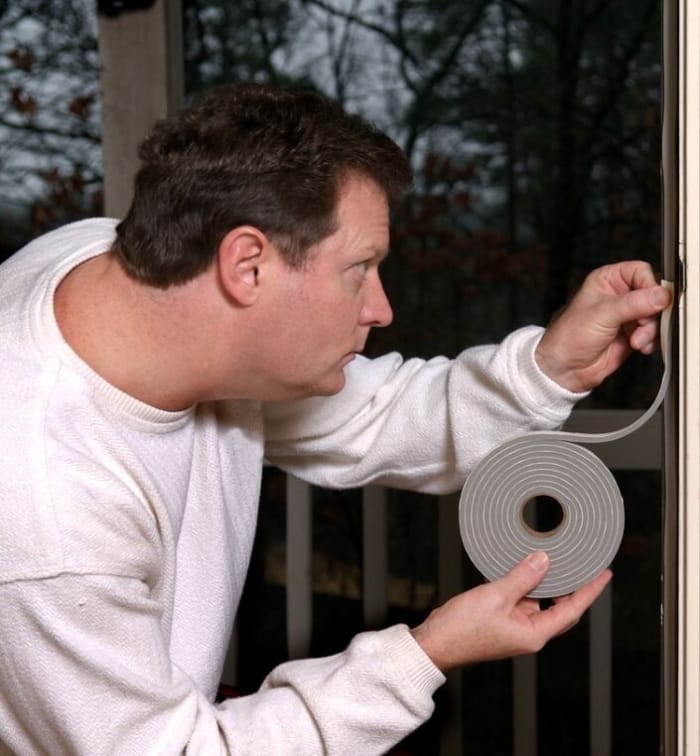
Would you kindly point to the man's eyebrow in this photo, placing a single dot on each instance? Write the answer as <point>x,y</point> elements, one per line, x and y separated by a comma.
<point>380,253</point>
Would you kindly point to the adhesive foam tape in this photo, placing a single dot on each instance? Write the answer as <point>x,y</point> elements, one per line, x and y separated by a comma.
<point>494,502</point>
<point>492,512</point>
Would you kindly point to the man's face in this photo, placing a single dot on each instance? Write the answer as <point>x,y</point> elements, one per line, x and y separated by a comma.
<point>321,315</point>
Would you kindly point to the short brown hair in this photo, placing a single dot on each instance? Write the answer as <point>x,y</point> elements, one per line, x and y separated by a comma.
<point>247,154</point>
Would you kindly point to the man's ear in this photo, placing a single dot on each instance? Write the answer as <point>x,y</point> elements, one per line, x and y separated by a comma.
<point>239,257</point>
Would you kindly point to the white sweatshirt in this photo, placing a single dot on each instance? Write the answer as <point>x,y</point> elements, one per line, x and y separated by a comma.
<point>126,532</point>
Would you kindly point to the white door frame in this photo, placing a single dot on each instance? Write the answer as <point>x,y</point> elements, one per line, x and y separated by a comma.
<point>689,381</point>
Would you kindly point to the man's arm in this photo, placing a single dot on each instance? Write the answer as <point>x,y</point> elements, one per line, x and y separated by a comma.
<point>417,424</point>
<point>422,425</point>
<point>86,671</point>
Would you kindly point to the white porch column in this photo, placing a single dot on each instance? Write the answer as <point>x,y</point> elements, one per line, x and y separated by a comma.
<point>141,81</point>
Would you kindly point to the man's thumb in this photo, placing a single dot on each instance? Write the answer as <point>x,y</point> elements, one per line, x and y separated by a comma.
<point>527,574</point>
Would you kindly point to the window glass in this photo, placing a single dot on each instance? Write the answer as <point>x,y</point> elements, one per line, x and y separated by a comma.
<point>50,155</point>
<point>534,132</point>
<point>533,128</point>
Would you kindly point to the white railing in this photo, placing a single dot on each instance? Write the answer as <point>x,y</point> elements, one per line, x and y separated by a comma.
<point>641,451</point>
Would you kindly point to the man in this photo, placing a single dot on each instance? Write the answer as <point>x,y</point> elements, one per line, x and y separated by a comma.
<point>147,372</point>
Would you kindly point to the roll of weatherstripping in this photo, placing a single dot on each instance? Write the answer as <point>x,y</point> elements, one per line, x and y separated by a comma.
<point>493,524</point>
<point>549,466</point>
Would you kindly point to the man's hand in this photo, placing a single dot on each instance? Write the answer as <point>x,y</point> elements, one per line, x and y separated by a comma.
<point>496,620</point>
<point>613,313</point>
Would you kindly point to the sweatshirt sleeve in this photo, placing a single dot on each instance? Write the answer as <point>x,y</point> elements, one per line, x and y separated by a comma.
<point>417,424</point>
<point>86,672</point>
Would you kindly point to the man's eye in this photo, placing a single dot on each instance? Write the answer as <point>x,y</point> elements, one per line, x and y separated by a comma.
<point>363,267</point>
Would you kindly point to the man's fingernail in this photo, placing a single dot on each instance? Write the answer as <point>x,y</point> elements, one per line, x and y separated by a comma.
<point>538,561</point>
<point>659,297</point>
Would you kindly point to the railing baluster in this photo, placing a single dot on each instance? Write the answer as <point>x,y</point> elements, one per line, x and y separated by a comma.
<point>229,674</point>
<point>525,705</point>
<point>299,594</point>
<point>374,556</point>
<point>450,556</point>
<point>600,660</point>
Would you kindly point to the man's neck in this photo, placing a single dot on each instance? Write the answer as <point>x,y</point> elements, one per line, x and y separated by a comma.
<point>133,336</point>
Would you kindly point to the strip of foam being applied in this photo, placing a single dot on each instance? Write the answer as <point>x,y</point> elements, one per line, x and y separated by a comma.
<point>494,521</point>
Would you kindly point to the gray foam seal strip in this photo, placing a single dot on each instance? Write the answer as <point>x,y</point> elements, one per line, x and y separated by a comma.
<point>550,463</point>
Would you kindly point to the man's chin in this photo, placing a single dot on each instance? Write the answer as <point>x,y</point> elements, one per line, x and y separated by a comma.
<point>333,386</point>
<point>328,386</point>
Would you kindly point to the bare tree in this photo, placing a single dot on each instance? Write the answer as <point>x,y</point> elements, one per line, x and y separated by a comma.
<point>50,162</point>
<point>532,128</point>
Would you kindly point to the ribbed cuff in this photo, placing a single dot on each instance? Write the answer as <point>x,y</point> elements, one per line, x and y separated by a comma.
<point>537,390</point>
<point>410,658</point>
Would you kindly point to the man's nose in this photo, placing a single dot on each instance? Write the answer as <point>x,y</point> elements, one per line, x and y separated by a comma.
<point>377,311</point>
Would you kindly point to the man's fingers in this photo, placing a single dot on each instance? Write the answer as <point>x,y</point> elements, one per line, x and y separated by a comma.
<point>643,337</point>
<point>625,275</point>
<point>525,576</point>
<point>638,305</point>
<point>567,610</point>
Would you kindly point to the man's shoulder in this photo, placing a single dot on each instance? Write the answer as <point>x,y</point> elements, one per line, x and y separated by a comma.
<point>81,238</point>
